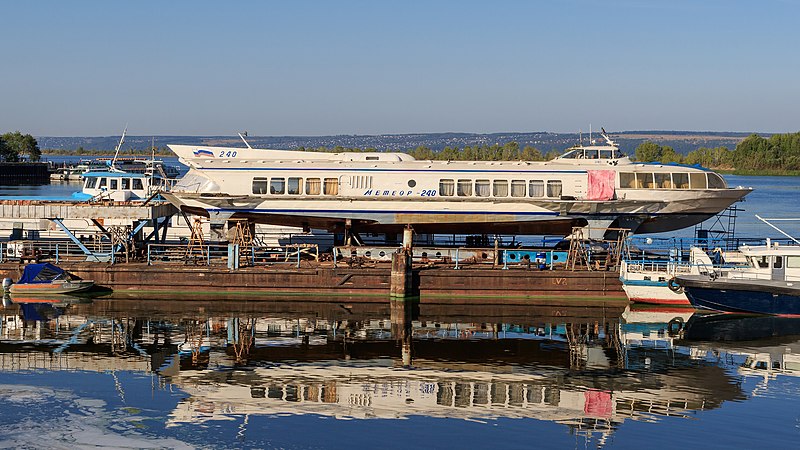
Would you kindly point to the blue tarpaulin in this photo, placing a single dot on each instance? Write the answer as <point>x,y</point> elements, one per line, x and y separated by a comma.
<point>41,273</point>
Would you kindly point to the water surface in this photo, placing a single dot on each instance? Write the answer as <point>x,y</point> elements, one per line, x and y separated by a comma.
<point>295,373</point>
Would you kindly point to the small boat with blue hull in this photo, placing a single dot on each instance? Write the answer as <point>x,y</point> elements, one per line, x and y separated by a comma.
<point>769,284</point>
<point>47,278</point>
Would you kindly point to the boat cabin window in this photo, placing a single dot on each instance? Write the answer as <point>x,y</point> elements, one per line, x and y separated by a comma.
<point>627,180</point>
<point>680,180</point>
<point>126,184</point>
<point>113,184</point>
<point>331,186</point>
<point>645,181</point>
<point>500,188</point>
<point>536,188</point>
<point>606,154</point>
<point>447,188</point>
<point>715,181</point>
<point>573,154</point>
<point>277,185</point>
<point>554,188</point>
<point>793,262</point>
<point>137,184</point>
<point>103,183</point>
<point>518,188</point>
<point>482,188</point>
<point>89,182</point>
<point>313,186</point>
<point>777,262</point>
<point>697,180</point>
<point>762,262</point>
<point>294,185</point>
<point>259,185</point>
<point>464,188</point>
<point>663,181</point>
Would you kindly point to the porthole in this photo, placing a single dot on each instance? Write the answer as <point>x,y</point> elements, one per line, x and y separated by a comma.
<point>412,183</point>
<point>438,254</point>
<point>382,253</point>
<point>368,254</point>
<point>424,254</point>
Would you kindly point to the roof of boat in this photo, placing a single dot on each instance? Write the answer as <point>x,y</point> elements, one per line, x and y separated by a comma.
<point>774,249</point>
<point>108,173</point>
<point>40,273</point>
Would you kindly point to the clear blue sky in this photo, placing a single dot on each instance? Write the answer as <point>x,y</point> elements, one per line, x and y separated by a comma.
<point>77,68</point>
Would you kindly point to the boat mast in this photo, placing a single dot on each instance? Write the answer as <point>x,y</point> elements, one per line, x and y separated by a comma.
<point>245,140</point>
<point>766,221</point>
<point>119,146</point>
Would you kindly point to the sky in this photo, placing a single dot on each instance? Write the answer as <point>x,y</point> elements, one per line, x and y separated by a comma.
<point>275,68</point>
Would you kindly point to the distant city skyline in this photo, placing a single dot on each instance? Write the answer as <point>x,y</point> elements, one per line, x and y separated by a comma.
<point>305,68</point>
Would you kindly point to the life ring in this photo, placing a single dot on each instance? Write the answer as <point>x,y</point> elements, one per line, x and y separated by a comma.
<point>673,286</point>
<point>674,326</point>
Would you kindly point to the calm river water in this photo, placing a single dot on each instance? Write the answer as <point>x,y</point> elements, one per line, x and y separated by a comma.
<point>180,373</point>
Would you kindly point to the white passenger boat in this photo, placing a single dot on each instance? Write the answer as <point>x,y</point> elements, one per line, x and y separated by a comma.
<point>653,282</point>
<point>384,192</point>
<point>120,186</point>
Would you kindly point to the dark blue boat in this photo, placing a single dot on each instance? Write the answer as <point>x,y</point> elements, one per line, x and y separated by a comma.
<point>742,295</point>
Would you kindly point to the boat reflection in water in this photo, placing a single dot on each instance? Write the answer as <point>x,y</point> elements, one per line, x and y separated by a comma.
<point>768,346</point>
<point>587,368</point>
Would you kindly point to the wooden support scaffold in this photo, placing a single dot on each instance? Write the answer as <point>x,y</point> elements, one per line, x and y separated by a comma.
<point>580,256</point>
<point>196,248</point>
<point>241,236</point>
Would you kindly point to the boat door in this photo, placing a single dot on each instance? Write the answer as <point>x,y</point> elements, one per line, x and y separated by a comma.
<point>778,268</point>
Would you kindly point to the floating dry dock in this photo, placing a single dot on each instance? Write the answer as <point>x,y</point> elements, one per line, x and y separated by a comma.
<point>240,268</point>
<point>448,285</point>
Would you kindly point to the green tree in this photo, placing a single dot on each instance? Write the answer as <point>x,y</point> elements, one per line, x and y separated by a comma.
<point>649,151</point>
<point>5,151</point>
<point>669,155</point>
<point>19,145</point>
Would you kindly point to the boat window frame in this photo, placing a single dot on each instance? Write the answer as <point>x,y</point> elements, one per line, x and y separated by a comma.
<point>550,191</point>
<point>697,176</point>
<point>137,184</point>
<point>645,180</point>
<point>464,187</point>
<point>260,185</point>
<point>497,186</point>
<point>447,187</point>
<point>298,188</point>
<point>677,184</point>
<point>330,186</point>
<point>627,180</point>
<point>662,180</point>
<point>535,186</point>
<point>483,188</point>
<point>719,182</point>
<point>125,184</point>
<point>517,184</point>
<point>277,185</point>
<point>313,186</point>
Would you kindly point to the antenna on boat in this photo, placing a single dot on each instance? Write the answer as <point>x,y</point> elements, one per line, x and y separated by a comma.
<point>608,139</point>
<point>119,146</point>
<point>766,221</point>
<point>591,142</point>
<point>242,135</point>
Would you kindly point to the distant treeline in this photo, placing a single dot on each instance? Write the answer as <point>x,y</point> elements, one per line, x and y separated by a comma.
<point>776,154</point>
<point>161,151</point>
<point>510,151</point>
<point>780,153</point>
